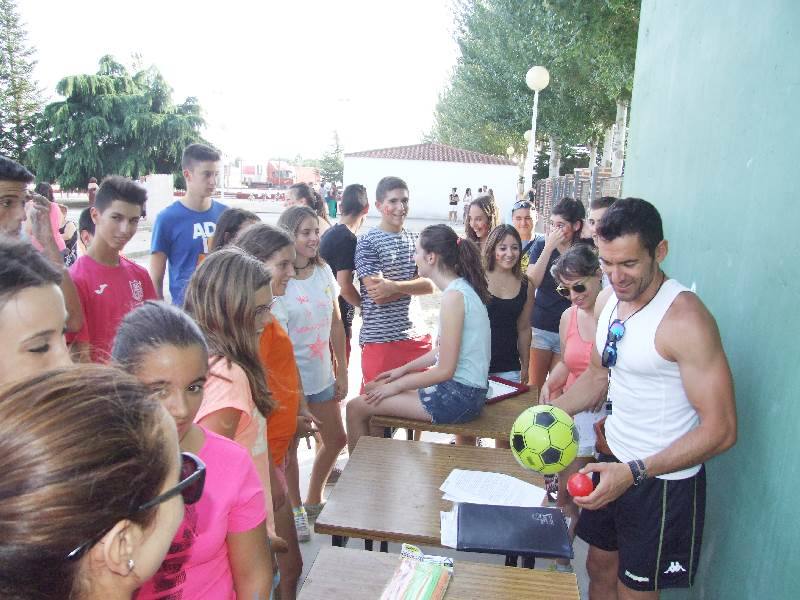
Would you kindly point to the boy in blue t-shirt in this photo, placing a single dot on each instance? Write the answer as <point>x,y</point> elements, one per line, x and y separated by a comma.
<point>183,231</point>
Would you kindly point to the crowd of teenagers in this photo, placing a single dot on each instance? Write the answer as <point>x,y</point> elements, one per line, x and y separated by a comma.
<point>149,448</point>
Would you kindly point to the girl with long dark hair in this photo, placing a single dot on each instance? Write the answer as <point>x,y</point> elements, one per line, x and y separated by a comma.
<point>448,384</point>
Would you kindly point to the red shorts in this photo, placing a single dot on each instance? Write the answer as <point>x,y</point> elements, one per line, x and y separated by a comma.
<point>377,358</point>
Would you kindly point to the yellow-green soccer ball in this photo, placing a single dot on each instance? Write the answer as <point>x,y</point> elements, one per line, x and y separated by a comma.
<point>544,438</point>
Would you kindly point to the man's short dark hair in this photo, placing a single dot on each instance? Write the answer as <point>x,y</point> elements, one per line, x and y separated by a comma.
<point>354,199</point>
<point>116,187</point>
<point>85,222</point>
<point>630,216</point>
<point>386,185</point>
<point>602,202</point>
<point>195,153</point>
<point>11,170</point>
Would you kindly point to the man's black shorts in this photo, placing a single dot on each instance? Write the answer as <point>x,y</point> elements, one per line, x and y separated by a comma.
<point>657,528</point>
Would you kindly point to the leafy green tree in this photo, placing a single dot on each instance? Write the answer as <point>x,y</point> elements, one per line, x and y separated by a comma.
<point>20,95</point>
<point>588,47</point>
<point>113,123</point>
<point>331,165</point>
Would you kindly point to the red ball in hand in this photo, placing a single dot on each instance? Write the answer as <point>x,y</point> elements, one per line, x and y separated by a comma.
<point>579,485</point>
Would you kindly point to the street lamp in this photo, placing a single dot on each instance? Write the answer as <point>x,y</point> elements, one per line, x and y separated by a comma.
<point>537,79</point>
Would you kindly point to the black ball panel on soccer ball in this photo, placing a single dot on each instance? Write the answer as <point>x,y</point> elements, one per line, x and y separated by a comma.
<point>551,456</point>
<point>518,441</point>
<point>544,419</point>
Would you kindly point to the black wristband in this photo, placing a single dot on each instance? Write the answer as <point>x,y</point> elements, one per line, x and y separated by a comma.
<point>638,470</point>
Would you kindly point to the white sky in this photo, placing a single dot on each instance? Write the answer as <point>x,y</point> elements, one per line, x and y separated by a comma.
<point>275,78</point>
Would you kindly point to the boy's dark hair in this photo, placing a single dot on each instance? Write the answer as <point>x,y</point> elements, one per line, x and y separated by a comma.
<point>386,185</point>
<point>229,224</point>
<point>85,222</point>
<point>602,202</point>
<point>354,199</point>
<point>116,187</point>
<point>195,153</point>
<point>632,216</point>
<point>11,170</point>
<point>23,266</point>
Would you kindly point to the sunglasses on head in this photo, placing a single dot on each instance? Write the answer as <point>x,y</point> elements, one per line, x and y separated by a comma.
<point>190,486</point>
<point>564,290</point>
<point>615,332</point>
<point>522,204</point>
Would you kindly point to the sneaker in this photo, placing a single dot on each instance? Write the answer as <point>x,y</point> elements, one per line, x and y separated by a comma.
<point>301,524</point>
<point>313,510</point>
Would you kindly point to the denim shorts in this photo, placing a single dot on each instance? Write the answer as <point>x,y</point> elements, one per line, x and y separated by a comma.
<point>452,402</point>
<point>323,396</point>
<point>515,376</point>
<point>546,340</point>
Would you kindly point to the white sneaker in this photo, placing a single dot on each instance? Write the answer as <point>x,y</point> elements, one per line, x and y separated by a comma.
<point>301,524</point>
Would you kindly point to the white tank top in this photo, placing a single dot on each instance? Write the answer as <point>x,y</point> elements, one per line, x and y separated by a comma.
<point>650,409</point>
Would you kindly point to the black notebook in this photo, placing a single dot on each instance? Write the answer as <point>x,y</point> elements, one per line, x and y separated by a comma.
<point>539,532</point>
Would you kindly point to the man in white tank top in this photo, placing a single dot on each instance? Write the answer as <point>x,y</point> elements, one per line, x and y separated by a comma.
<point>660,366</point>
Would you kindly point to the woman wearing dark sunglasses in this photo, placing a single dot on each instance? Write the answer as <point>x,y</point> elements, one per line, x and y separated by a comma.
<point>221,550</point>
<point>92,485</point>
<point>579,278</point>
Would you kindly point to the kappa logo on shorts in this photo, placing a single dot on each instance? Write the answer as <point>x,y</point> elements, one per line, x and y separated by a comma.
<point>636,577</point>
<point>674,567</point>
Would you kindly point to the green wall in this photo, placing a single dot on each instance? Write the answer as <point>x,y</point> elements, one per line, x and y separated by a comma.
<point>715,145</point>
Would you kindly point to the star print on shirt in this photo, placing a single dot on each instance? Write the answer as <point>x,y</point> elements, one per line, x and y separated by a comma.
<point>302,299</point>
<point>318,348</point>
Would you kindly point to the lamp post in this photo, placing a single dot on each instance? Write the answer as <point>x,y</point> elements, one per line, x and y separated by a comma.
<point>537,79</point>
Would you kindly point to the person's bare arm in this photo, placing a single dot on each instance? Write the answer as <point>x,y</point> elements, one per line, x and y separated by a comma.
<point>158,266</point>
<point>338,343</point>
<point>452,322</point>
<point>689,336</point>
<point>524,334</point>
<point>383,291</point>
<point>251,563</point>
<point>223,422</point>
<point>558,376</point>
<point>39,214</point>
<point>347,290</point>
<point>537,270</point>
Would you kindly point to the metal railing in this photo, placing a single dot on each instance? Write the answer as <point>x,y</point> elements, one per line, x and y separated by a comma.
<point>583,185</point>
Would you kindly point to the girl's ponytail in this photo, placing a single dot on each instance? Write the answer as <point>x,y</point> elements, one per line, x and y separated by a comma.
<point>470,267</point>
<point>462,256</point>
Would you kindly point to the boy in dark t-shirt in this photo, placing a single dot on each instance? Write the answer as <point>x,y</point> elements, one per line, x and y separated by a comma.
<point>338,248</point>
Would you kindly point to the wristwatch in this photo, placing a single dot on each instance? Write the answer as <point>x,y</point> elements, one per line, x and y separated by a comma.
<point>638,470</point>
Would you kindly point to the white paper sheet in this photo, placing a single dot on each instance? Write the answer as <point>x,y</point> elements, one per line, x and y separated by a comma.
<point>499,389</point>
<point>449,527</point>
<point>481,487</point>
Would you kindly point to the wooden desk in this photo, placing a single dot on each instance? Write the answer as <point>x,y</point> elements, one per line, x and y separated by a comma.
<point>339,573</point>
<point>389,490</point>
<point>494,423</point>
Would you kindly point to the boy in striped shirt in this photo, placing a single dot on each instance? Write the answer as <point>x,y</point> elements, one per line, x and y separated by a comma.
<point>388,279</point>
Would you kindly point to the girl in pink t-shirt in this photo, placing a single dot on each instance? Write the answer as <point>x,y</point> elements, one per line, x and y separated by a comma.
<point>221,549</point>
<point>579,278</point>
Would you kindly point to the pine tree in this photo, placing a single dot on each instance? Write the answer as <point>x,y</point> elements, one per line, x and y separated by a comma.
<point>20,95</point>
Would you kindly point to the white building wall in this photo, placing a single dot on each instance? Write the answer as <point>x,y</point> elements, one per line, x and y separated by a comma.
<point>160,190</point>
<point>430,182</point>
